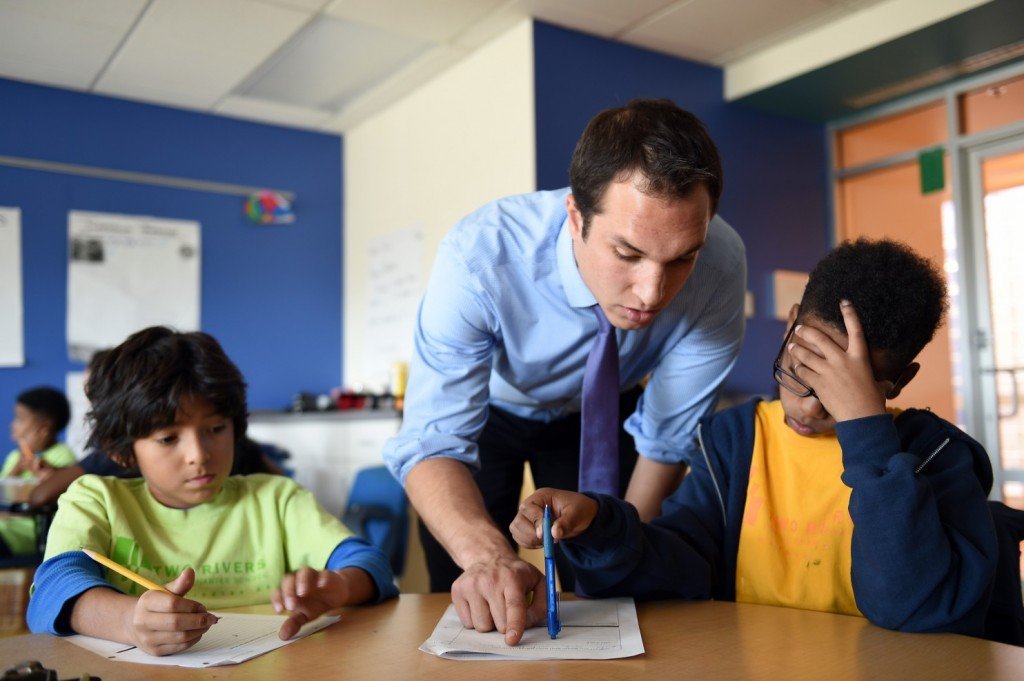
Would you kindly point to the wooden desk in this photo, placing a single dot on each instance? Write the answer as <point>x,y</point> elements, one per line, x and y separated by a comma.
<point>683,640</point>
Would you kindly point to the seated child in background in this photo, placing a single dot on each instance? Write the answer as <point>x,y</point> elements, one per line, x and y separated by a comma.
<point>173,404</point>
<point>40,414</point>
<point>822,500</point>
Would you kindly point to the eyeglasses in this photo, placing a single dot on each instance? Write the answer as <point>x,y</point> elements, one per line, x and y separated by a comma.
<point>786,379</point>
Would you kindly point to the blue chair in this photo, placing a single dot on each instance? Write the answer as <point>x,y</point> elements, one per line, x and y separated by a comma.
<point>377,510</point>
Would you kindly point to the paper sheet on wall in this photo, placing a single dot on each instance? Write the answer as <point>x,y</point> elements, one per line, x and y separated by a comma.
<point>76,434</point>
<point>235,638</point>
<point>591,630</point>
<point>126,273</point>
<point>12,340</point>
<point>395,287</point>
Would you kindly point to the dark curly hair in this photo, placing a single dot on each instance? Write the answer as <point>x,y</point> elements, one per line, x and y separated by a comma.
<point>667,148</point>
<point>899,296</point>
<point>139,386</point>
<point>49,403</point>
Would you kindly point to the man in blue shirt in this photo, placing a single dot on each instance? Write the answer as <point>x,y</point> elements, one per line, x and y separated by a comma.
<point>504,331</point>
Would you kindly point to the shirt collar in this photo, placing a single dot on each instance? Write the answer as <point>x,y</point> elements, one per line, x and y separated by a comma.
<point>576,291</point>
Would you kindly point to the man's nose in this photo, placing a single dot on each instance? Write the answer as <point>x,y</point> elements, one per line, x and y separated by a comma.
<point>650,287</point>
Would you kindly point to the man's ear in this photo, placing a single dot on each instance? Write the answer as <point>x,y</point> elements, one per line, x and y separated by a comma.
<point>575,217</point>
<point>904,378</point>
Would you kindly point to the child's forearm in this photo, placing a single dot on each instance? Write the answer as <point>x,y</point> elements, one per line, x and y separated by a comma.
<point>104,613</point>
<point>360,585</point>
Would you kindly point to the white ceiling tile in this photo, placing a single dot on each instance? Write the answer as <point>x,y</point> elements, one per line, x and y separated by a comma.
<point>197,50</point>
<point>435,21</point>
<point>272,112</point>
<point>62,42</point>
<point>599,17</point>
<point>705,30</point>
<point>401,83</point>
<point>491,26</point>
<point>331,62</point>
<point>310,6</point>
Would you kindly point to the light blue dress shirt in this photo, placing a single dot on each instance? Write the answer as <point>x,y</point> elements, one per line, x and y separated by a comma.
<point>505,320</point>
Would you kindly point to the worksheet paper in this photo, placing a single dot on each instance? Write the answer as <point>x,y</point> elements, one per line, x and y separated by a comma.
<point>591,630</point>
<point>235,638</point>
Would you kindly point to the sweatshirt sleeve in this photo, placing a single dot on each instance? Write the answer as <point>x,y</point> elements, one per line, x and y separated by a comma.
<point>924,548</point>
<point>357,552</point>
<point>58,583</point>
<point>678,555</point>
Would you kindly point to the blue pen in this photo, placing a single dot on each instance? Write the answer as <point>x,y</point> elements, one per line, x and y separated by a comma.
<point>554,626</point>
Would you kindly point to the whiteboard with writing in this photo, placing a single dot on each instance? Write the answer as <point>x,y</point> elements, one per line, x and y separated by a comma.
<point>394,290</point>
<point>12,341</point>
<point>126,273</point>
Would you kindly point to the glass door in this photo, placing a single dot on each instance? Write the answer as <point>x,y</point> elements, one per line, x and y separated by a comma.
<point>996,292</point>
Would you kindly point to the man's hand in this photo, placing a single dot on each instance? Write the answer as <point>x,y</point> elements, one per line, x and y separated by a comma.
<point>492,595</point>
<point>843,380</point>
<point>162,623</point>
<point>572,513</point>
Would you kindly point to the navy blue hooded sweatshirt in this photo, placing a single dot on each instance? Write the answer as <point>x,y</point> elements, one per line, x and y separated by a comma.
<point>924,547</point>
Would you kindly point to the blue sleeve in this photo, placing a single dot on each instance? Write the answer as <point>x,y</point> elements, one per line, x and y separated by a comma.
<point>446,398</point>
<point>357,552</point>
<point>684,386</point>
<point>924,547</point>
<point>678,555</point>
<point>58,582</point>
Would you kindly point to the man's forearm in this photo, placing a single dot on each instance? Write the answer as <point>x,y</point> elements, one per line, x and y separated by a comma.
<point>447,499</point>
<point>650,484</point>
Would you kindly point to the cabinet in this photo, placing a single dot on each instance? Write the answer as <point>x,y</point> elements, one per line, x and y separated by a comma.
<point>327,448</point>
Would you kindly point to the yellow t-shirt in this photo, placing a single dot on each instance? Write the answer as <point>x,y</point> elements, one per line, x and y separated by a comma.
<point>795,539</point>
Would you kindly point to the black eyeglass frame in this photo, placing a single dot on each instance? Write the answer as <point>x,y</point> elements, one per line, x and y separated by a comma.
<point>777,369</point>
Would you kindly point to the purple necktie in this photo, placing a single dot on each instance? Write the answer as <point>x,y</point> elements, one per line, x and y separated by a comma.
<point>599,431</point>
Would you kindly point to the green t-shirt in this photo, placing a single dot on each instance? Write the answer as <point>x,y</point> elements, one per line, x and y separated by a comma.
<point>241,543</point>
<point>19,533</point>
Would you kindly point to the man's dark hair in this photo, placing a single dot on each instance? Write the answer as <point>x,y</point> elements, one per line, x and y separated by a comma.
<point>139,386</point>
<point>49,403</point>
<point>899,296</point>
<point>665,149</point>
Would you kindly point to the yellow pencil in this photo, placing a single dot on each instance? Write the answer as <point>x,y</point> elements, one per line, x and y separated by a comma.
<point>123,571</point>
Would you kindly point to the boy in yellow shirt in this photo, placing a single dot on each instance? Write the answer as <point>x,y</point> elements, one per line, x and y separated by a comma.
<point>823,499</point>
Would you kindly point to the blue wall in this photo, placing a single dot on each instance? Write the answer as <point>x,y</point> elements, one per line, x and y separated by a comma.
<point>271,295</point>
<point>774,167</point>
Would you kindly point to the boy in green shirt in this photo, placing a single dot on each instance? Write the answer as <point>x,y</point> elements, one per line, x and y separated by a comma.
<point>40,414</point>
<point>174,405</point>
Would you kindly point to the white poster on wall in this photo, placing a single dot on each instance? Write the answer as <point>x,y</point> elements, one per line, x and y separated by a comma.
<point>126,273</point>
<point>12,341</point>
<point>395,287</point>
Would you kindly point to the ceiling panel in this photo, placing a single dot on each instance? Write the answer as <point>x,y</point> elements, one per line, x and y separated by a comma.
<point>434,21</point>
<point>310,6</point>
<point>601,17</point>
<point>349,57</point>
<point>703,30</point>
<point>59,42</point>
<point>271,112</point>
<point>193,52</point>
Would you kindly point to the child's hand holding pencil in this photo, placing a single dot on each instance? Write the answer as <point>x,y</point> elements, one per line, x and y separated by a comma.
<point>163,621</point>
